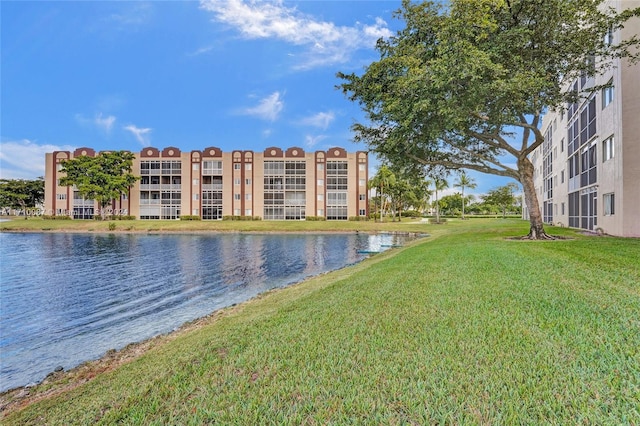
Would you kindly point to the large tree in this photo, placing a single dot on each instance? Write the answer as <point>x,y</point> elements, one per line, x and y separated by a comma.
<point>502,197</point>
<point>465,84</point>
<point>104,177</point>
<point>21,193</point>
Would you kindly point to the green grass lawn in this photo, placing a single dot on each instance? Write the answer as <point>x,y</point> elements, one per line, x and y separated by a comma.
<point>38,224</point>
<point>465,327</point>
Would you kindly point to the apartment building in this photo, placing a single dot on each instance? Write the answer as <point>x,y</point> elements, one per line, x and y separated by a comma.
<point>587,172</point>
<point>274,184</point>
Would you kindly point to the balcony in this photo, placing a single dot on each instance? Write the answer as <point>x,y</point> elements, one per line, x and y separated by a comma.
<point>172,186</point>
<point>212,187</point>
<point>150,187</point>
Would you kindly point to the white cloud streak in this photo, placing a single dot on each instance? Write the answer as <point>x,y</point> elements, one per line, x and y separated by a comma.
<point>104,124</point>
<point>311,141</point>
<point>321,120</point>
<point>268,108</point>
<point>325,42</point>
<point>25,159</point>
<point>142,135</point>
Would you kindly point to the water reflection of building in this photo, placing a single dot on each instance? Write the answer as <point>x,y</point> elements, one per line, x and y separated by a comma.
<point>274,184</point>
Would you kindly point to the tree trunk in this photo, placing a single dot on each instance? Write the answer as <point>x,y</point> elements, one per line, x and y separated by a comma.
<point>536,230</point>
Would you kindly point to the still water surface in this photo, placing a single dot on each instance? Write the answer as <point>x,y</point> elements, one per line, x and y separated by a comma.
<point>69,298</point>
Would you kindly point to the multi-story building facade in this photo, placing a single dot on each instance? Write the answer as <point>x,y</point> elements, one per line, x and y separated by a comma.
<point>587,171</point>
<point>273,185</point>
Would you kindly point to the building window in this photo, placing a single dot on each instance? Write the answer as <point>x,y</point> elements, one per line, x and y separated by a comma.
<point>236,166</point>
<point>236,212</point>
<point>320,167</point>
<point>582,127</point>
<point>362,182</point>
<point>247,181</point>
<point>608,37</point>
<point>196,166</point>
<point>247,197</point>
<point>320,182</point>
<point>607,149</point>
<point>236,197</point>
<point>320,197</point>
<point>562,209</point>
<point>247,166</point>
<point>609,204</point>
<point>196,182</point>
<point>562,145</point>
<point>237,181</point>
<point>196,196</point>
<point>361,167</point>
<point>320,212</point>
<point>247,212</point>
<point>61,196</point>
<point>362,197</point>
<point>362,212</point>
<point>195,212</point>
<point>212,167</point>
<point>607,94</point>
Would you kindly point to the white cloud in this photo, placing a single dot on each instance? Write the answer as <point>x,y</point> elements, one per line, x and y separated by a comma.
<point>325,43</point>
<point>268,108</point>
<point>311,141</point>
<point>24,159</point>
<point>141,134</point>
<point>321,120</point>
<point>105,123</point>
<point>200,51</point>
<point>131,15</point>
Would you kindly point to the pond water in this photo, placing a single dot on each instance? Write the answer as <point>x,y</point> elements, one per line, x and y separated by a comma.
<point>69,298</point>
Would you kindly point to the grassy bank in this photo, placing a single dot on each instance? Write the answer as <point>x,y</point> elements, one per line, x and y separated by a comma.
<point>36,224</point>
<point>465,327</point>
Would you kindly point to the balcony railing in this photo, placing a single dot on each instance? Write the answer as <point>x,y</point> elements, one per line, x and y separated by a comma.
<point>150,186</point>
<point>212,187</point>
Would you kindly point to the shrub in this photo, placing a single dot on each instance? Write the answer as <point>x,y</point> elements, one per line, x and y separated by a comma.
<point>315,218</point>
<point>121,217</point>
<point>189,217</point>
<point>234,217</point>
<point>112,226</point>
<point>358,218</point>
<point>411,213</point>
<point>50,217</point>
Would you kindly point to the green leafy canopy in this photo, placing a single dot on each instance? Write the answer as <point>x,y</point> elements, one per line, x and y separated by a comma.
<point>465,84</point>
<point>21,193</point>
<point>103,178</point>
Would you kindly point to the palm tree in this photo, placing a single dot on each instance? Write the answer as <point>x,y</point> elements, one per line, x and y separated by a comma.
<point>381,182</point>
<point>464,181</point>
<point>440,184</point>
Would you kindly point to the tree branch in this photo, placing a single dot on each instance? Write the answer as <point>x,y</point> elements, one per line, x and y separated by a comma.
<point>471,166</point>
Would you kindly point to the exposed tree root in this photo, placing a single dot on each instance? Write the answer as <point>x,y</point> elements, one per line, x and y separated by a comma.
<point>539,236</point>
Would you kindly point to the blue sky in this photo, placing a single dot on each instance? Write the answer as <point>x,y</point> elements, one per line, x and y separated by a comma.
<point>233,74</point>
